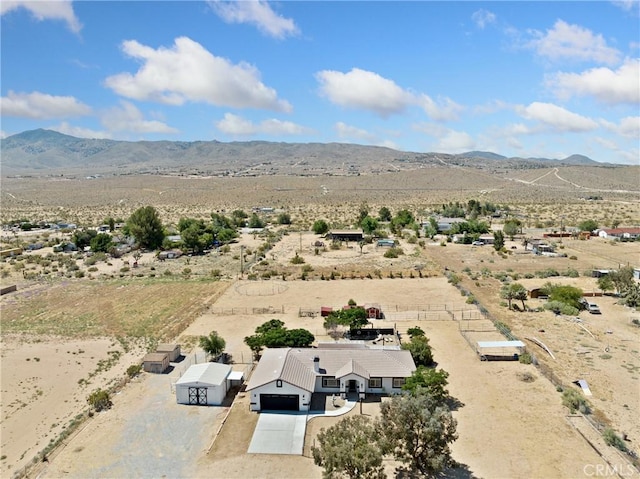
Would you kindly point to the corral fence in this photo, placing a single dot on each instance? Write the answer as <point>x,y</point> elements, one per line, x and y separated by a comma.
<point>244,310</point>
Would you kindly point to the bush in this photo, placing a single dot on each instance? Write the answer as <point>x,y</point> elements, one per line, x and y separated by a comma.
<point>297,259</point>
<point>573,400</point>
<point>612,439</point>
<point>525,358</point>
<point>134,370</point>
<point>99,400</point>
<point>559,307</point>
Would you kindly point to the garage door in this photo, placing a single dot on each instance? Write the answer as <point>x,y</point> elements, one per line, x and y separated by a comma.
<point>279,402</point>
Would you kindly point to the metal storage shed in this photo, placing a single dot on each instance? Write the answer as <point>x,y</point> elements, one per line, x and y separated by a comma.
<point>155,362</point>
<point>173,350</point>
<point>203,384</point>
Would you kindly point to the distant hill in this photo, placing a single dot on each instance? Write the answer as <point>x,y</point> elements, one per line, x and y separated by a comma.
<point>46,152</point>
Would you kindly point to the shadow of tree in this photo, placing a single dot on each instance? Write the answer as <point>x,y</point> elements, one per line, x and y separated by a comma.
<point>460,471</point>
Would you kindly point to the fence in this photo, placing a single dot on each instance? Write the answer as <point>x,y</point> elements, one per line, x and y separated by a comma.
<point>245,310</point>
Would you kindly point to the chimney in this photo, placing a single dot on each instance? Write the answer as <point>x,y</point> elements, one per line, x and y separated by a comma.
<point>316,364</point>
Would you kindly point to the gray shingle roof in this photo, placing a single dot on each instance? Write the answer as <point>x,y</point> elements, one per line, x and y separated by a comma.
<point>295,366</point>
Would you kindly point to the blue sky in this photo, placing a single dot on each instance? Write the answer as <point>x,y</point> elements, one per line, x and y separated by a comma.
<point>529,79</point>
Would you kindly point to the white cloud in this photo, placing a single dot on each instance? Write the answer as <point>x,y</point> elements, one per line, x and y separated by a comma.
<point>555,117</point>
<point>127,117</point>
<point>188,72</point>
<point>445,109</point>
<point>628,5</point>
<point>236,125</point>
<point>351,132</point>
<point>606,85</point>
<point>365,90</point>
<point>79,132</point>
<point>572,42</point>
<point>257,13</point>
<point>628,127</point>
<point>45,10</point>
<point>482,18</point>
<point>362,89</point>
<point>41,106</point>
<point>449,141</point>
<point>3,134</point>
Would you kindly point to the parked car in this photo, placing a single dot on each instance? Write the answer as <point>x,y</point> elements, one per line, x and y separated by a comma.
<point>478,243</point>
<point>593,308</point>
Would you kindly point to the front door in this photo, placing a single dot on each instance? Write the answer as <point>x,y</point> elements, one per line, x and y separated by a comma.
<point>353,386</point>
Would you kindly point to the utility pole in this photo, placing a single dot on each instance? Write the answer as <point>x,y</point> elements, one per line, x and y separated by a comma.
<point>241,261</point>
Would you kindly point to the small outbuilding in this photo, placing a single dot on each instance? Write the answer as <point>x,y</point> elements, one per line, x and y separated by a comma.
<point>204,384</point>
<point>155,363</point>
<point>173,350</point>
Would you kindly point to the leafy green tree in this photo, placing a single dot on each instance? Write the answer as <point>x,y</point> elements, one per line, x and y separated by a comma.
<point>431,229</point>
<point>569,295</point>
<point>354,318</point>
<point>384,214</point>
<point>146,227</point>
<point>269,326</point>
<point>368,224</point>
<point>196,238</point>
<point>498,240</point>
<point>420,350</point>
<point>363,212</point>
<point>320,227</point>
<point>470,227</point>
<point>417,430</point>
<point>82,238</point>
<point>415,331</point>
<point>430,381</point>
<point>631,295</point>
<point>223,229</point>
<point>100,400</point>
<point>102,242</point>
<point>622,279</point>
<point>403,218</point>
<point>255,344</point>
<point>239,218</point>
<point>588,225</point>
<point>255,221</point>
<point>349,449</point>
<point>605,283</point>
<point>299,338</point>
<point>514,291</point>
<point>213,344</point>
<point>111,223</point>
<point>511,227</point>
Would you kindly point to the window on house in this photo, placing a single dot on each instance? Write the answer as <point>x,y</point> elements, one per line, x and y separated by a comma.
<point>398,382</point>
<point>375,382</point>
<point>330,382</point>
<point>279,383</point>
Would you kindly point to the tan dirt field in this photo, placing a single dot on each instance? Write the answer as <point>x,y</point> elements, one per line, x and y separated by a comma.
<point>498,409</point>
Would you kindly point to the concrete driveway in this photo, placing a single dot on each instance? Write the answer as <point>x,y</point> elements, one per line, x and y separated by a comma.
<point>279,433</point>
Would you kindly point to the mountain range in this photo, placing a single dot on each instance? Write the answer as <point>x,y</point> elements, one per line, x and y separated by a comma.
<point>46,152</point>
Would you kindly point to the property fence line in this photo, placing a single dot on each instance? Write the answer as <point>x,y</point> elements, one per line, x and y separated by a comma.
<point>245,310</point>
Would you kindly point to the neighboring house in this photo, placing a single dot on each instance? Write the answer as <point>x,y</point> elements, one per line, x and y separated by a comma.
<point>620,233</point>
<point>445,224</point>
<point>346,235</point>
<point>286,378</point>
<point>204,384</point>
<point>540,247</point>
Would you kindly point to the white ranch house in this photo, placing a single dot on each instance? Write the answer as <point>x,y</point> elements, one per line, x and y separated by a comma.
<point>285,378</point>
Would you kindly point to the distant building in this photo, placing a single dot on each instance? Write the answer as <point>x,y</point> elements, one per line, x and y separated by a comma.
<point>620,233</point>
<point>346,235</point>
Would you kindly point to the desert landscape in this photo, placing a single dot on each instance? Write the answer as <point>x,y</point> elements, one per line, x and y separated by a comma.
<point>74,325</point>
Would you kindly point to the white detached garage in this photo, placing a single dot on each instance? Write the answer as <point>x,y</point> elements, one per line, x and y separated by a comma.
<point>203,384</point>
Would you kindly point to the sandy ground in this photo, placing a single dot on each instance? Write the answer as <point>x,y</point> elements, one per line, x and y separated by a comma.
<point>507,427</point>
<point>45,383</point>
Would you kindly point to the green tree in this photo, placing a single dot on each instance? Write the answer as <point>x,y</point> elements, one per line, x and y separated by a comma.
<point>514,291</point>
<point>622,279</point>
<point>511,227</point>
<point>213,344</point>
<point>363,212</point>
<point>111,223</point>
<point>588,225</point>
<point>384,214</point>
<point>82,238</point>
<point>498,240</point>
<point>420,350</point>
<point>222,228</point>
<point>269,326</point>
<point>320,227</point>
<point>146,227</point>
<point>368,224</point>
<point>417,430</point>
<point>430,381</point>
<point>354,318</point>
<point>255,344</point>
<point>631,295</point>
<point>239,218</point>
<point>605,283</point>
<point>349,449</point>
<point>569,295</point>
<point>102,242</point>
<point>100,400</point>
<point>415,331</point>
<point>255,221</point>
